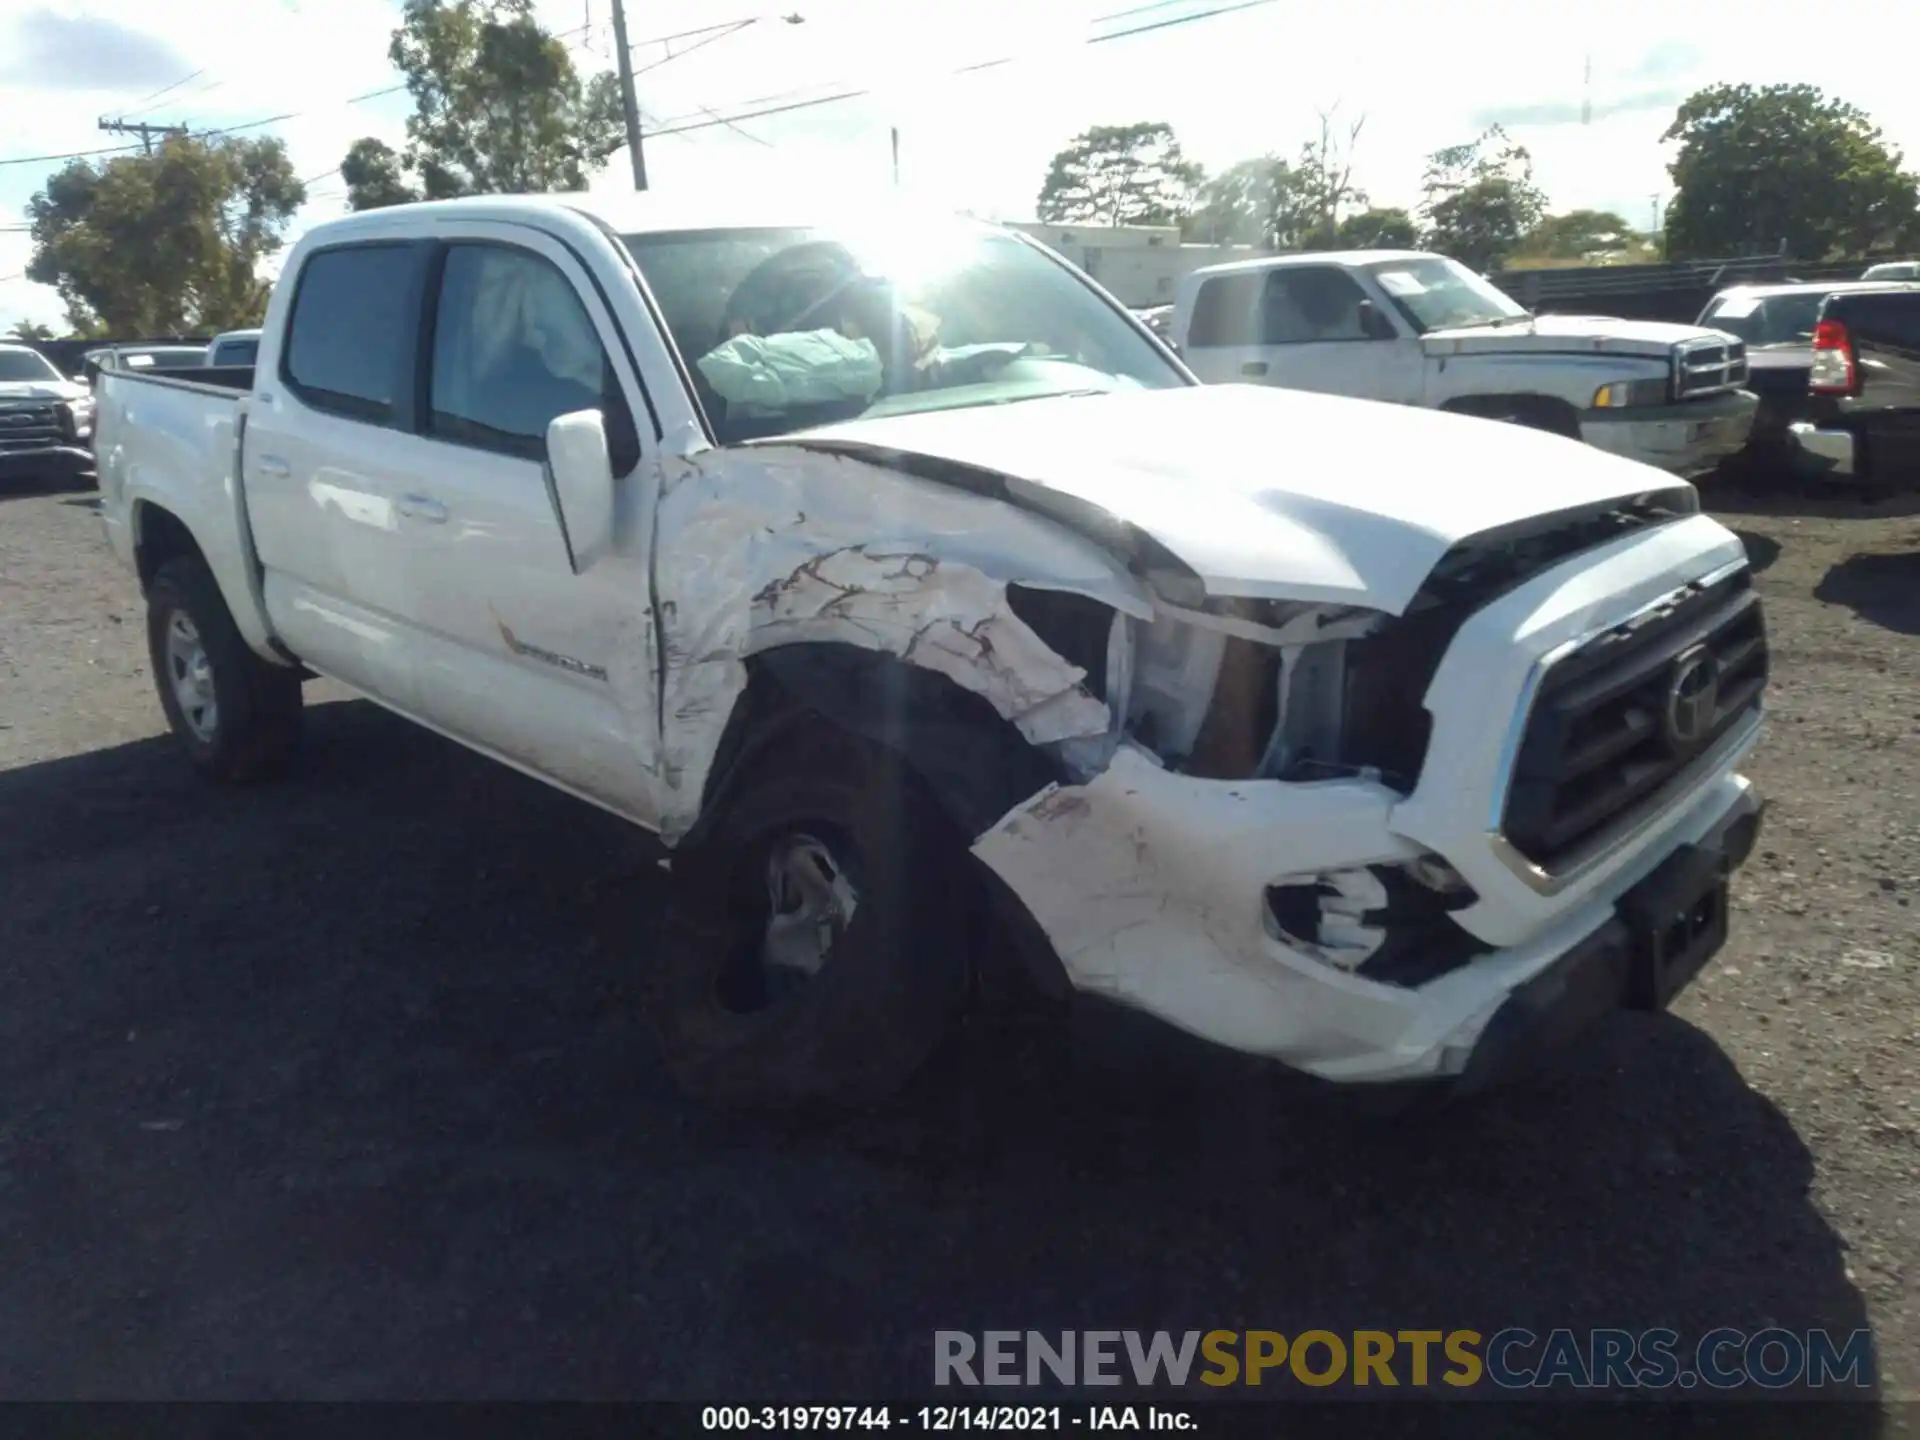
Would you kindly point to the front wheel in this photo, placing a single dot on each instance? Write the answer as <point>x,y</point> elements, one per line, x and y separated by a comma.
<point>816,946</point>
<point>237,715</point>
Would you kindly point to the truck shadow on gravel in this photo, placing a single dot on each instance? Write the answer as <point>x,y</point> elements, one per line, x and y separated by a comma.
<point>1882,588</point>
<point>1787,499</point>
<point>337,1089</point>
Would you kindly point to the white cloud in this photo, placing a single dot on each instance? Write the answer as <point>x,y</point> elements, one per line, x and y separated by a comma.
<point>1232,86</point>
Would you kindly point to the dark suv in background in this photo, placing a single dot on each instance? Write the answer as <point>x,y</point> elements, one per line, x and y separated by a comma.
<point>1837,368</point>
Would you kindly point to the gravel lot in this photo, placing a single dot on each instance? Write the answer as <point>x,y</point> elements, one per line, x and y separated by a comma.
<point>335,1088</point>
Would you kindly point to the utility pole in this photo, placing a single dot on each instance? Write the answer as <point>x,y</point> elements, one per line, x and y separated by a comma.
<point>1656,214</point>
<point>145,131</point>
<point>896,155</point>
<point>627,100</point>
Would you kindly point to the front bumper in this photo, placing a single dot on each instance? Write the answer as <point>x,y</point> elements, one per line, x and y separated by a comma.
<point>1818,454</point>
<point>1151,885</point>
<point>1622,964</point>
<point>1688,439</point>
<point>47,461</point>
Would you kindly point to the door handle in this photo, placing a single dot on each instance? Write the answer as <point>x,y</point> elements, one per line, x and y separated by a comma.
<point>423,507</point>
<point>275,466</point>
<point>1254,367</point>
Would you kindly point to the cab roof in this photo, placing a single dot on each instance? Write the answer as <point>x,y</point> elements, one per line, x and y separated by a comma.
<point>654,212</point>
<point>1812,287</point>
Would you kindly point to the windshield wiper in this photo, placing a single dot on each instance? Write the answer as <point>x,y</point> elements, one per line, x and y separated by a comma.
<point>1493,320</point>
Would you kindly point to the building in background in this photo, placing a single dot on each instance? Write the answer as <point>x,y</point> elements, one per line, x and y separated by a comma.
<point>1142,265</point>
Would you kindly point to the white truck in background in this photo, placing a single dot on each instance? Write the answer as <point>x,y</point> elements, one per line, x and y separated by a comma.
<point>901,581</point>
<point>1412,328</point>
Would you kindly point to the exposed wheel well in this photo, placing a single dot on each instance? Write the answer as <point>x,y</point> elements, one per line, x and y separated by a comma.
<point>159,536</point>
<point>1536,412</point>
<point>976,764</point>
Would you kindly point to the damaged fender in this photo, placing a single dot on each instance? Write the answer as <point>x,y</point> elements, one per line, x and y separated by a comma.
<point>767,547</point>
<point>1150,886</point>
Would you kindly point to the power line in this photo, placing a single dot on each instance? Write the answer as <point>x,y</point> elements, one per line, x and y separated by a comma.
<point>705,118</point>
<point>757,139</point>
<point>142,105</point>
<point>681,129</point>
<point>254,124</point>
<point>802,90</point>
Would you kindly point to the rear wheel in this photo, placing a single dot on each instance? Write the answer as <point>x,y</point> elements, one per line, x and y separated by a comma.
<point>816,948</point>
<point>237,715</point>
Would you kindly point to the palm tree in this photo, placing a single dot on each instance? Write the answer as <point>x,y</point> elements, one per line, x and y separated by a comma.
<point>30,331</point>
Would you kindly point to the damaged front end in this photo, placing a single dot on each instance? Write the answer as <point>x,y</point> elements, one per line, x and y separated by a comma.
<point>1247,796</point>
<point>1298,693</point>
<point>1192,795</point>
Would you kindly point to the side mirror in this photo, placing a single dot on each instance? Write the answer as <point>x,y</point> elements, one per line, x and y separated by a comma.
<point>579,478</point>
<point>1373,324</point>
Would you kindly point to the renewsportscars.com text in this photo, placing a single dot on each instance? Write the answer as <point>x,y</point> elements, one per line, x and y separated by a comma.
<point>1509,1359</point>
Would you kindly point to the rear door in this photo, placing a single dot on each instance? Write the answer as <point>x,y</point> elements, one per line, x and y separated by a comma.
<point>1885,410</point>
<point>318,464</point>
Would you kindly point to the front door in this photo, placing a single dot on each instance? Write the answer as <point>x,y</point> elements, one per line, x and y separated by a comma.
<point>550,670</point>
<point>1302,327</point>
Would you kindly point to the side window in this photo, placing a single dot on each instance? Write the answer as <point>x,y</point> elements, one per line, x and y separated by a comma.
<point>350,328</point>
<point>513,348</point>
<point>1902,323</point>
<point>1223,312</point>
<point>1308,303</point>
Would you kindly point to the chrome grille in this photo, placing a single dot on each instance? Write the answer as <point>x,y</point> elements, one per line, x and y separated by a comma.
<point>1619,719</point>
<point>1708,367</point>
<point>30,427</point>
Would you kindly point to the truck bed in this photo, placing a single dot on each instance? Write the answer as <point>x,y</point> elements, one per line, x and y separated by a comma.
<point>172,438</point>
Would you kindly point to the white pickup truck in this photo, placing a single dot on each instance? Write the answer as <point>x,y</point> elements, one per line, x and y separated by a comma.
<point>901,581</point>
<point>1417,329</point>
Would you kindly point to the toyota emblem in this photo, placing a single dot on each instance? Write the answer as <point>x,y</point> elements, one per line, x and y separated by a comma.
<point>1693,698</point>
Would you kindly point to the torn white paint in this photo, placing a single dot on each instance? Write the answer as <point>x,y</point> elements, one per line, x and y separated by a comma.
<point>768,546</point>
<point>1150,885</point>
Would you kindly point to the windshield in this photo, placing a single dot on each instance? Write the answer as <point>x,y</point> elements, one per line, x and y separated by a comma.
<point>787,329</point>
<point>26,365</point>
<point>1776,320</point>
<point>1438,294</point>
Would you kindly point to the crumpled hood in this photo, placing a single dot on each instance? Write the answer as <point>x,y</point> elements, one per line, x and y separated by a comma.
<point>1602,334</point>
<point>1266,492</point>
<point>40,390</point>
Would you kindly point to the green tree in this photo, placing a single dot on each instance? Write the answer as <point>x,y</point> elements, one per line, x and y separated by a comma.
<point>372,171</point>
<point>1579,235</point>
<point>1784,164</point>
<point>167,243</point>
<point>1120,175</point>
<point>1480,199</point>
<point>1379,229</point>
<point>498,108</point>
<point>30,331</point>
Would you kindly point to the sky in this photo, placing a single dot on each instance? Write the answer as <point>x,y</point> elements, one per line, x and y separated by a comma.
<point>1234,85</point>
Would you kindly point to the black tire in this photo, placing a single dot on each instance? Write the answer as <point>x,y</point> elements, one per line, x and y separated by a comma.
<point>255,727</point>
<point>894,982</point>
